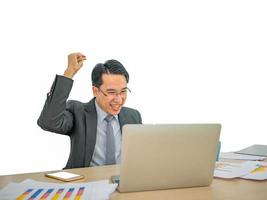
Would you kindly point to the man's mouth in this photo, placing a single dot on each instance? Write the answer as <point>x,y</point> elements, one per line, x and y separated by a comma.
<point>115,106</point>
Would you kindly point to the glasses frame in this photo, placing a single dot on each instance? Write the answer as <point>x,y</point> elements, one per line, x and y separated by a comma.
<point>116,93</point>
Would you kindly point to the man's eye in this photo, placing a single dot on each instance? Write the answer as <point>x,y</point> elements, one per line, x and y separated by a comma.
<point>111,93</point>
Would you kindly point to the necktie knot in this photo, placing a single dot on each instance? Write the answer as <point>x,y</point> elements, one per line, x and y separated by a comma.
<point>108,118</point>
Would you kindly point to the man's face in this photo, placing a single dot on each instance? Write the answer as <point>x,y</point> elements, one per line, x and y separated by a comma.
<point>111,95</point>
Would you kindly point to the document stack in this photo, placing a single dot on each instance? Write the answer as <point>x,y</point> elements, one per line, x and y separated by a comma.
<point>249,164</point>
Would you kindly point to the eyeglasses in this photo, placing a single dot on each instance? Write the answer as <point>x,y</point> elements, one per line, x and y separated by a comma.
<point>113,93</point>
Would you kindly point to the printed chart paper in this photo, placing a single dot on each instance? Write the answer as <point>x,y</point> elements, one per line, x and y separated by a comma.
<point>33,190</point>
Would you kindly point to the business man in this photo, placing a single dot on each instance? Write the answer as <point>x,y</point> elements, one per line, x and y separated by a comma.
<point>94,127</point>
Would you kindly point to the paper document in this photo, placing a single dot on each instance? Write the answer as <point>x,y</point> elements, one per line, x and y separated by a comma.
<point>233,170</point>
<point>258,174</point>
<point>253,170</point>
<point>264,164</point>
<point>30,189</point>
<point>236,156</point>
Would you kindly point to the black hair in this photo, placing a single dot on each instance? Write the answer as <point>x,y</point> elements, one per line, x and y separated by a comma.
<point>109,67</point>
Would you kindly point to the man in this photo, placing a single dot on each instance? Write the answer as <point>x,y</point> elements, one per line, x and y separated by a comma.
<point>94,127</point>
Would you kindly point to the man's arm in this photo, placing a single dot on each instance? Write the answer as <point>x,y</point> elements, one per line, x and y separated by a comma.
<point>56,115</point>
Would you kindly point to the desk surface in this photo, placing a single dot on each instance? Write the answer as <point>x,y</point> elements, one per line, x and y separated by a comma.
<point>219,189</point>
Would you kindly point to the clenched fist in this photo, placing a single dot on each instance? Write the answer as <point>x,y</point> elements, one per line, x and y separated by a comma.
<point>75,62</point>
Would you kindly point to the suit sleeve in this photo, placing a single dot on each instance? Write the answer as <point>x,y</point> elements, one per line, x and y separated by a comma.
<point>55,116</point>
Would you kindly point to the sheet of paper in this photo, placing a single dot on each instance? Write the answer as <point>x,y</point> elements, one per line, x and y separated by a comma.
<point>233,170</point>
<point>30,189</point>
<point>264,164</point>
<point>236,156</point>
<point>258,174</point>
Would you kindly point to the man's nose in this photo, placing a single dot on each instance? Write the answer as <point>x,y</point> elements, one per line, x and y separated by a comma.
<point>119,98</point>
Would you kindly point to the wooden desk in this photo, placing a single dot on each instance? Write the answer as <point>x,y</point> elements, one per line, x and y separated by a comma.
<point>237,189</point>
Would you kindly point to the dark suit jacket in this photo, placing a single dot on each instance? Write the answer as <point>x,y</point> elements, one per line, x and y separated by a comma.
<point>77,120</point>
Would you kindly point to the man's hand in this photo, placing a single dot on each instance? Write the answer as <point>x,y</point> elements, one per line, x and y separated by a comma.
<point>75,62</point>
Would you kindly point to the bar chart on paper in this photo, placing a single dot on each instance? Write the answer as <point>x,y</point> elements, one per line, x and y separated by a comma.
<point>53,194</point>
<point>33,190</point>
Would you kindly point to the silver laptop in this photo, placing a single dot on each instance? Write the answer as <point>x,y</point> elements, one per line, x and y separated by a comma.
<point>164,156</point>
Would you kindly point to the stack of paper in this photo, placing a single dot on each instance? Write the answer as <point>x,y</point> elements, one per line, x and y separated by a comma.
<point>236,156</point>
<point>254,170</point>
<point>30,189</point>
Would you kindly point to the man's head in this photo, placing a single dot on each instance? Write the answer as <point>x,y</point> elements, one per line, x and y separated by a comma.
<point>109,82</point>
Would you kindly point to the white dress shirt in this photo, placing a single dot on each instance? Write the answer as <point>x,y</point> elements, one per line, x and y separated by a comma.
<point>99,155</point>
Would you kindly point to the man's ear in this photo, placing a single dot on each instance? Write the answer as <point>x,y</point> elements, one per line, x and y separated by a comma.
<point>95,90</point>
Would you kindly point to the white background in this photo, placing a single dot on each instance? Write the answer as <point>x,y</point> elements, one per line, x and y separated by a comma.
<point>189,61</point>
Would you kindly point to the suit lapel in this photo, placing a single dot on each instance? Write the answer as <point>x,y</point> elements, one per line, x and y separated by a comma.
<point>90,130</point>
<point>122,118</point>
